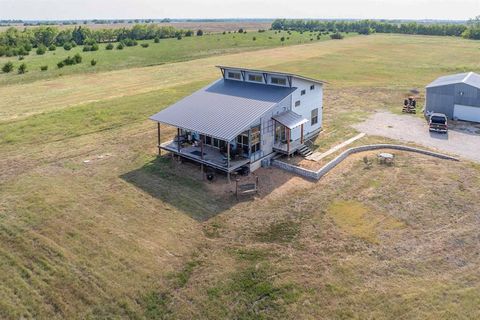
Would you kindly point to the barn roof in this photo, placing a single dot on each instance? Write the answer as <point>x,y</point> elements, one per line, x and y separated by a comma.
<point>223,109</point>
<point>470,78</point>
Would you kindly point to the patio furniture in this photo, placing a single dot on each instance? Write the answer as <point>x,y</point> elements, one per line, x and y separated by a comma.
<point>386,158</point>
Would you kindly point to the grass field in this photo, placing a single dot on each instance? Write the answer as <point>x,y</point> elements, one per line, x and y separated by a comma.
<point>168,50</point>
<point>130,235</point>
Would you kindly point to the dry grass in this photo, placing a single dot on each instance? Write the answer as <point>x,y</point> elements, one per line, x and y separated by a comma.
<point>129,235</point>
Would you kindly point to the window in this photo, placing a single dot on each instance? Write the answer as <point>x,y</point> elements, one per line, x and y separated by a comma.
<point>312,87</point>
<point>297,103</point>
<point>303,92</point>
<point>255,77</point>
<point>314,117</point>
<point>234,75</point>
<point>279,81</point>
<point>255,139</point>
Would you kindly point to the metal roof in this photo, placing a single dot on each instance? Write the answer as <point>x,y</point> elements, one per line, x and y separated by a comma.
<point>470,78</point>
<point>290,119</point>
<point>286,74</point>
<point>223,109</point>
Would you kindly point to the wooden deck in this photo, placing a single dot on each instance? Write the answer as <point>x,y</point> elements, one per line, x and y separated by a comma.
<point>211,156</point>
<point>282,147</point>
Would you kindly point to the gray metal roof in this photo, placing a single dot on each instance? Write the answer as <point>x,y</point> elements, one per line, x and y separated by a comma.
<point>223,109</point>
<point>290,119</point>
<point>470,78</point>
<point>286,74</point>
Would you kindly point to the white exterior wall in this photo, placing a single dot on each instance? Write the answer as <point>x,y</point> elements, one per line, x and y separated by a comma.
<point>268,125</point>
<point>311,100</point>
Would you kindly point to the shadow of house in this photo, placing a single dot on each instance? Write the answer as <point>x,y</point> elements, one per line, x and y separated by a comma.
<point>181,186</point>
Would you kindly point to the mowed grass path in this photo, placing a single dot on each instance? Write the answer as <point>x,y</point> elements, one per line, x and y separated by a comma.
<point>128,235</point>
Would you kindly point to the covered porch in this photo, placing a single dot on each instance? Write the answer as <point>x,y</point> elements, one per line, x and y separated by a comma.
<point>284,124</point>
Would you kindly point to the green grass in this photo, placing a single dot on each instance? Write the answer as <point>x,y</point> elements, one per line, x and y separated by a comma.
<point>167,51</point>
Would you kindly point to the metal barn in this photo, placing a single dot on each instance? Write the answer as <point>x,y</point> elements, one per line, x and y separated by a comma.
<point>457,96</point>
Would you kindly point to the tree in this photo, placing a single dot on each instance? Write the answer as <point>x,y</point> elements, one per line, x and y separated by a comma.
<point>67,46</point>
<point>200,32</point>
<point>109,46</point>
<point>22,68</point>
<point>7,67</point>
<point>120,46</point>
<point>77,58</point>
<point>240,30</point>
<point>52,47</point>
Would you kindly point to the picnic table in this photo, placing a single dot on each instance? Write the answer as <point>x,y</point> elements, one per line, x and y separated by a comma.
<point>386,158</point>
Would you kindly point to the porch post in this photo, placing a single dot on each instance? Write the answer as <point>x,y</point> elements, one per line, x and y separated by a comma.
<point>178,139</point>
<point>228,161</point>
<point>201,151</point>
<point>158,136</point>
<point>301,134</point>
<point>288,141</point>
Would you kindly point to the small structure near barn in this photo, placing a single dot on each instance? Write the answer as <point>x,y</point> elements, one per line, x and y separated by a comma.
<point>243,118</point>
<point>457,96</point>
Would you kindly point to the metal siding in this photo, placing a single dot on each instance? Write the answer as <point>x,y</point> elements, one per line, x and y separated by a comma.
<point>223,109</point>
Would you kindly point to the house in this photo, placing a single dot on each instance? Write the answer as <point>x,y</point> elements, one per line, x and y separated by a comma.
<point>457,96</point>
<point>244,117</point>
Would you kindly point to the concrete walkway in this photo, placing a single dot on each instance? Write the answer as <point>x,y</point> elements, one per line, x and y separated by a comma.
<point>317,156</point>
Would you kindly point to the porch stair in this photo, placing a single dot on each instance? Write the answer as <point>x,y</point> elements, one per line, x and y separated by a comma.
<point>305,151</point>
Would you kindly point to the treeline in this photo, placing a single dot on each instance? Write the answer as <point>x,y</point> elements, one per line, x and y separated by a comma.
<point>471,30</point>
<point>15,42</point>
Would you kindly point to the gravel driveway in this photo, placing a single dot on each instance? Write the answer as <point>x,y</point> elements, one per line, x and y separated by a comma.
<point>463,139</point>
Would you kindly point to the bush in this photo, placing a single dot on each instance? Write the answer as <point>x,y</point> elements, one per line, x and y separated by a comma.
<point>69,61</point>
<point>21,58</point>
<point>224,32</point>
<point>43,68</point>
<point>200,32</point>
<point>130,42</point>
<point>189,33</point>
<point>77,58</point>
<point>21,52</point>
<point>336,35</point>
<point>7,67</point>
<point>67,46</point>
<point>73,44</point>
<point>41,50</point>
<point>261,30</point>
<point>87,48</point>
<point>282,39</point>
<point>179,37</point>
<point>27,47</point>
<point>60,65</point>
<point>156,40</point>
<point>109,46</point>
<point>94,47</point>
<point>120,46</point>
<point>22,68</point>
<point>254,38</point>
<point>145,45</point>
<point>240,30</point>
<point>93,62</point>
<point>52,47</point>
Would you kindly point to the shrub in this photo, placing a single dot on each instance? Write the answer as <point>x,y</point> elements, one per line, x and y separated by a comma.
<point>21,52</point>
<point>189,33</point>
<point>145,45</point>
<point>87,48</point>
<point>240,30</point>
<point>77,58</point>
<point>43,68</point>
<point>223,32</point>
<point>21,58</point>
<point>282,39</point>
<point>41,50</point>
<point>130,42</point>
<point>22,68</point>
<point>69,61</point>
<point>27,47</point>
<point>179,37</point>
<point>200,32</point>
<point>254,38</point>
<point>52,47</point>
<point>94,47</point>
<point>261,30</point>
<point>73,44</point>
<point>93,62</point>
<point>156,40</point>
<point>67,46</point>
<point>109,46</point>
<point>336,35</point>
<point>7,67</point>
<point>60,65</point>
<point>120,46</point>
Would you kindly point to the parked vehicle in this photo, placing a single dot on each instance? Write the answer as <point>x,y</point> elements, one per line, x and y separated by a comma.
<point>438,123</point>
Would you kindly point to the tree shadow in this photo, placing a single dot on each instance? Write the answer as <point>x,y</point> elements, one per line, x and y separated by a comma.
<point>181,185</point>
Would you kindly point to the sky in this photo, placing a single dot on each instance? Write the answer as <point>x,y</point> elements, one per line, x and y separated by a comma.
<point>130,9</point>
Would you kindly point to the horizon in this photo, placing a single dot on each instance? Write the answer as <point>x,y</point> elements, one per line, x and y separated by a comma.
<point>68,10</point>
